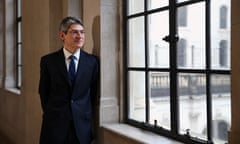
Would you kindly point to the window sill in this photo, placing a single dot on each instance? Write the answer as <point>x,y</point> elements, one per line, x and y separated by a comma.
<point>138,134</point>
<point>14,90</point>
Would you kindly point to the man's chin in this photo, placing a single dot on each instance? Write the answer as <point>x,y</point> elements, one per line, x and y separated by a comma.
<point>78,46</point>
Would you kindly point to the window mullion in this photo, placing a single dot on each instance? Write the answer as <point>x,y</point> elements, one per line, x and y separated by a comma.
<point>18,66</point>
<point>173,67</point>
<point>208,73</point>
<point>146,62</point>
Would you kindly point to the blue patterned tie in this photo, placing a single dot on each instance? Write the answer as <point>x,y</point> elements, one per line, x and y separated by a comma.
<point>71,70</point>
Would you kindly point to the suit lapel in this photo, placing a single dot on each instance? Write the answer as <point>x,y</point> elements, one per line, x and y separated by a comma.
<point>80,70</point>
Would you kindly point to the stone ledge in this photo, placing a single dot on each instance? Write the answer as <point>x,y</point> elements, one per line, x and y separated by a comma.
<point>137,134</point>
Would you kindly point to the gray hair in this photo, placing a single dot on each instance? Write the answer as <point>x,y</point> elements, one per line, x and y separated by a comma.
<point>67,22</point>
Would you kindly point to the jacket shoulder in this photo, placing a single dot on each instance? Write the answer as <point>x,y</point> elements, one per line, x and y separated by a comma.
<point>52,54</point>
<point>92,57</point>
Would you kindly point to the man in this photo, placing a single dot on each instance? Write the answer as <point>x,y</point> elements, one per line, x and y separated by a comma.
<point>67,88</point>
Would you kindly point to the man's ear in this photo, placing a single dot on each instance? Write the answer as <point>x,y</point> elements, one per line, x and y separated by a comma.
<point>61,36</point>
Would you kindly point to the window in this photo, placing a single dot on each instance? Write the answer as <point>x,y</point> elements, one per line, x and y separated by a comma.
<point>11,45</point>
<point>222,132</point>
<point>223,53</point>
<point>181,53</point>
<point>174,84</point>
<point>182,16</point>
<point>223,17</point>
<point>19,45</point>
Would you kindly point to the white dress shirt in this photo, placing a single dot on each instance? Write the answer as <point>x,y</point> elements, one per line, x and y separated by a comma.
<point>67,60</point>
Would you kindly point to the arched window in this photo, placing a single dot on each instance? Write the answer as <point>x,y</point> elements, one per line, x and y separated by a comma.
<point>223,53</point>
<point>223,17</point>
<point>182,16</point>
<point>181,53</point>
<point>222,130</point>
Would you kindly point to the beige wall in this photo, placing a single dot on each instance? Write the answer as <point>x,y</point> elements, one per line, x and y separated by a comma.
<point>36,42</point>
<point>20,114</point>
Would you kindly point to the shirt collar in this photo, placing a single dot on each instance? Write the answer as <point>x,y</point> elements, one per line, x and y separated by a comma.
<point>67,53</point>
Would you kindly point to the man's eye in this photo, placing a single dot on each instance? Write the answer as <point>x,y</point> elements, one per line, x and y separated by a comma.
<point>75,32</point>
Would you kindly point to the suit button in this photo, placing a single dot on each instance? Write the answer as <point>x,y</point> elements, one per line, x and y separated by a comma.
<point>72,101</point>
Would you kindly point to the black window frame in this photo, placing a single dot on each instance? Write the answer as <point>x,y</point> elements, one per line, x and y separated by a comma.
<point>208,71</point>
<point>18,44</point>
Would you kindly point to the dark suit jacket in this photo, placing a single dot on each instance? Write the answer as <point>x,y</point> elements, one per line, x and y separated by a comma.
<point>63,102</point>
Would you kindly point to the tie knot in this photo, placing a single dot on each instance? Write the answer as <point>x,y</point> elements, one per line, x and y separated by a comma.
<point>71,57</point>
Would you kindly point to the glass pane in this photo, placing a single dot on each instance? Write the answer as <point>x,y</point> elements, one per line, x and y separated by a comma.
<point>19,2</point>
<point>136,47</point>
<point>137,96</point>
<point>19,69</point>
<point>159,99</point>
<point>19,32</point>
<point>153,4</point>
<point>221,108</point>
<point>220,34</point>
<point>19,54</point>
<point>19,65</point>
<point>135,6</point>
<point>158,49</point>
<point>192,104</point>
<point>191,31</point>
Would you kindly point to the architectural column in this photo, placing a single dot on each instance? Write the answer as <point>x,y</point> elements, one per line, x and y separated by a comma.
<point>102,29</point>
<point>110,82</point>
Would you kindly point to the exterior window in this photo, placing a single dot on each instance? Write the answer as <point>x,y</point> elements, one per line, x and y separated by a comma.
<point>174,84</point>
<point>223,17</point>
<point>181,55</point>
<point>223,53</point>
<point>222,132</point>
<point>19,45</point>
<point>182,16</point>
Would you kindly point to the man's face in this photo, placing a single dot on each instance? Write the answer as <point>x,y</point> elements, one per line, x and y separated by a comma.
<point>74,38</point>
